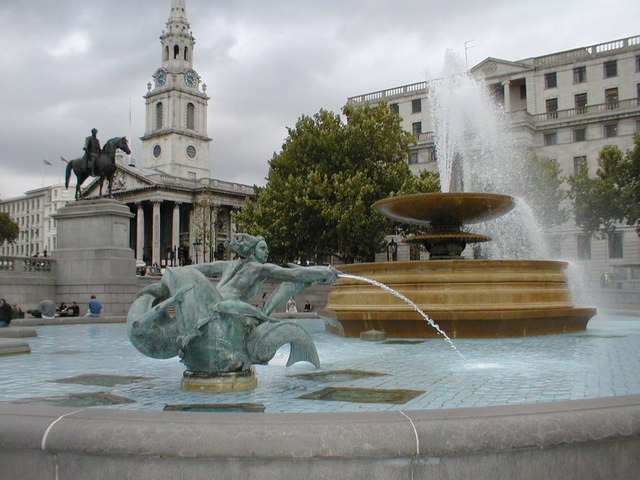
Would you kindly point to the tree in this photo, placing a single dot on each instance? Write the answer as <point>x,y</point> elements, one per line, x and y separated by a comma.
<point>613,195</point>
<point>320,190</point>
<point>205,210</point>
<point>8,228</point>
<point>541,181</point>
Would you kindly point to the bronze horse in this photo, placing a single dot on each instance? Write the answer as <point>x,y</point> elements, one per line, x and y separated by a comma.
<point>105,165</point>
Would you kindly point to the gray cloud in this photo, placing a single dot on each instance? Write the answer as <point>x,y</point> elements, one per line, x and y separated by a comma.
<point>72,65</point>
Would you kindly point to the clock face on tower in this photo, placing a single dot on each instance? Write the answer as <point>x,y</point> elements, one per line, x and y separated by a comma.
<point>161,77</point>
<point>190,79</point>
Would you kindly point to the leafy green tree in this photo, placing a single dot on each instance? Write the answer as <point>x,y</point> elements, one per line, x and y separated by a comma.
<point>205,209</point>
<point>321,187</point>
<point>542,181</point>
<point>8,228</point>
<point>613,195</point>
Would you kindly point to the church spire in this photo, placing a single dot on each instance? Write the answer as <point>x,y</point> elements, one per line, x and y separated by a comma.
<point>177,40</point>
<point>178,12</point>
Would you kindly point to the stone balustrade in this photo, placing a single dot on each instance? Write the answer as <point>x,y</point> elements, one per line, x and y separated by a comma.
<point>42,265</point>
<point>586,110</point>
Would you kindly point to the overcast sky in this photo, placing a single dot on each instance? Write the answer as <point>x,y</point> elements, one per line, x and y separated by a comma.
<point>70,65</point>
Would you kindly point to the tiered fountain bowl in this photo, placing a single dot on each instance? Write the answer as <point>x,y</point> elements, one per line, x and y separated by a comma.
<point>466,297</point>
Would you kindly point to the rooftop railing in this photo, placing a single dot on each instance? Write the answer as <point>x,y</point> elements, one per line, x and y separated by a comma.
<point>585,52</point>
<point>390,92</point>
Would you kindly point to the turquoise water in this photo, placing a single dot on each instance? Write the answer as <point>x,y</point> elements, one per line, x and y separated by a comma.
<point>602,361</point>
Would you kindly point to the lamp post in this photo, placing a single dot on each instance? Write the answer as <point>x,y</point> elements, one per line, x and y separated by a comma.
<point>196,244</point>
<point>392,251</point>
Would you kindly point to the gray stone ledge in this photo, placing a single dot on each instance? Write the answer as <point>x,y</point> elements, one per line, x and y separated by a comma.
<point>594,438</point>
<point>17,332</point>
<point>33,322</point>
<point>10,346</point>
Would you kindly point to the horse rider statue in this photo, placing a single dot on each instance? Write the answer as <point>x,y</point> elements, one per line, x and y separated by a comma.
<point>91,152</point>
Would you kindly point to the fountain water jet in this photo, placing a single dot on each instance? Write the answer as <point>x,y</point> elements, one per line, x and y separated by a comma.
<point>407,301</point>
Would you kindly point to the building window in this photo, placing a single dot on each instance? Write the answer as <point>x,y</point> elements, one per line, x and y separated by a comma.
<point>611,98</point>
<point>552,107</point>
<point>579,134</point>
<point>610,130</point>
<point>191,116</point>
<point>579,163</point>
<point>395,108</point>
<point>611,69</point>
<point>159,115</point>
<point>550,80</point>
<point>584,247</point>
<point>579,74</point>
<point>523,92</point>
<point>416,105</point>
<point>615,245</point>
<point>550,139</point>
<point>638,90</point>
<point>157,151</point>
<point>581,102</point>
<point>431,153</point>
<point>191,151</point>
<point>413,158</point>
<point>637,63</point>
<point>416,128</point>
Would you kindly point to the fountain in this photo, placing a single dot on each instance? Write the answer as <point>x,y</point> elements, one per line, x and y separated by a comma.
<point>214,329</point>
<point>466,297</point>
<point>540,423</point>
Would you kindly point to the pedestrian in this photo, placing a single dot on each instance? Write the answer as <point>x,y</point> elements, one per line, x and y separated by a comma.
<point>6,313</point>
<point>75,309</point>
<point>95,307</point>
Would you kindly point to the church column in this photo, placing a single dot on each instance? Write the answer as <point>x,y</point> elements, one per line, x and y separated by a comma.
<point>506,87</point>
<point>175,229</point>
<point>214,233</point>
<point>155,242</point>
<point>140,232</point>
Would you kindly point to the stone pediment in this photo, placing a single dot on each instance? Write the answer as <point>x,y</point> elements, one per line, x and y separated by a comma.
<point>125,179</point>
<point>495,67</point>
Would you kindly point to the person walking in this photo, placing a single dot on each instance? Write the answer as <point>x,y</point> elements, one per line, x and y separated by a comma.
<point>95,307</point>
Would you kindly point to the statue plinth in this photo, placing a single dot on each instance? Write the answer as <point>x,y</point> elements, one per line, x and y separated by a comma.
<point>218,382</point>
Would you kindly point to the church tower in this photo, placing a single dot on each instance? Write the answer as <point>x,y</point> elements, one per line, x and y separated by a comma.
<point>175,139</point>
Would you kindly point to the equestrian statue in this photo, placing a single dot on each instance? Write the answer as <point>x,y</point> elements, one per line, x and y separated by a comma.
<point>96,162</point>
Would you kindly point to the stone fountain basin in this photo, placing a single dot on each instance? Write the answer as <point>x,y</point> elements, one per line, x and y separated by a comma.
<point>467,298</point>
<point>450,209</point>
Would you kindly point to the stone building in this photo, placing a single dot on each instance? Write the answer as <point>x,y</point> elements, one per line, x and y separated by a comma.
<point>564,106</point>
<point>181,213</point>
<point>32,212</point>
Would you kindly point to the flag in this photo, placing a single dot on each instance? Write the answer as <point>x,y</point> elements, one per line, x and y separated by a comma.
<point>47,162</point>
<point>64,159</point>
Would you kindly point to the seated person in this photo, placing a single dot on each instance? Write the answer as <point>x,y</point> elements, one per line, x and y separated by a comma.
<point>46,309</point>
<point>6,313</point>
<point>17,311</point>
<point>75,309</point>
<point>63,310</point>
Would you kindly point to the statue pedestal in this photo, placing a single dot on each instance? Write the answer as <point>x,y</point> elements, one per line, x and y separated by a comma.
<point>93,255</point>
<point>221,382</point>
